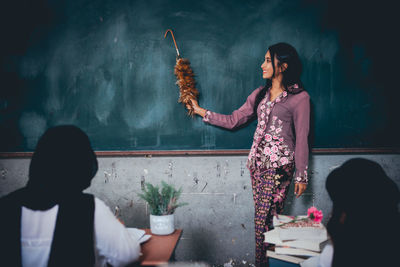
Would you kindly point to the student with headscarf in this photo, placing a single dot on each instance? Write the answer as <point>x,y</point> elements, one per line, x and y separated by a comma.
<point>364,224</point>
<point>51,222</point>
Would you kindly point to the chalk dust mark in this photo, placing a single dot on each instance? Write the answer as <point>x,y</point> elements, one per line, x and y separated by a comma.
<point>107,177</point>
<point>114,170</point>
<point>3,174</point>
<point>334,167</point>
<point>204,187</point>
<point>117,211</point>
<point>142,182</point>
<point>218,170</point>
<point>170,167</point>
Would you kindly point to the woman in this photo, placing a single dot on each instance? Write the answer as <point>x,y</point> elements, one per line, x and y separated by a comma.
<point>50,222</point>
<point>280,141</point>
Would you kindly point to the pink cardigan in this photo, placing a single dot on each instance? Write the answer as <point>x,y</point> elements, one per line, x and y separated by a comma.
<point>281,136</point>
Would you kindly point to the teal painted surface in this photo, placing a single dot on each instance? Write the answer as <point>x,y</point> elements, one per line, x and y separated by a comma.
<point>280,263</point>
<point>106,67</point>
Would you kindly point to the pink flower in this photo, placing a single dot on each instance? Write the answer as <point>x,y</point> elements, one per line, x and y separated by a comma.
<point>278,197</point>
<point>279,121</point>
<point>284,160</point>
<point>278,130</point>
<point>276,137</point>
<point>314,214</point>
<point>295,86</point>
<point>281,139</point>
<point>272,127</point>
<point>278,100</point>
<point>267,151</point>
<point>268,111</point>
<point>286,152</point>
<point>275,149</point>
<point>275,165</point>
<point>268,137</point>
<point>262,122</point>
<point>280,147</point>
<point>284,93</point>
<point>262,115</point>
<point>273,157</point>
<point>274,118</point>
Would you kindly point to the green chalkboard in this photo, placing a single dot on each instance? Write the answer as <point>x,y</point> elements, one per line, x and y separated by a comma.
<point>106,67</point>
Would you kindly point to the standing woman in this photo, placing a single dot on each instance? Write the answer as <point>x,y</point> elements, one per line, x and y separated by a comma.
<point>280,145</point>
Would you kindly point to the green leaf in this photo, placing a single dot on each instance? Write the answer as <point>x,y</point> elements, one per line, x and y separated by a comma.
<point>164,202</point>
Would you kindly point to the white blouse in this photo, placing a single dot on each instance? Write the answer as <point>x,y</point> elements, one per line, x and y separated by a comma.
<point>113,244</point>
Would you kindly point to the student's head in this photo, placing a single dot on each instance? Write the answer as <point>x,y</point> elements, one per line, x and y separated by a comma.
<point>63,163</point>
<point>282,59</point>
<point>365,209</point>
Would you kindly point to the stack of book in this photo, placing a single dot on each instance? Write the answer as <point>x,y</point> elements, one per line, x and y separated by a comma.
<point>298,236</point>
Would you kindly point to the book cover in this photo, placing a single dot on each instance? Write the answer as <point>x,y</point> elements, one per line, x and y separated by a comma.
<point>287,258</point>
<point>295,251</point>
<point>316,245</point>
<point>299,227</point>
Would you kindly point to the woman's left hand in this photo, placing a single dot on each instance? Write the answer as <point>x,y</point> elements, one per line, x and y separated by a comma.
<point>299,189</point>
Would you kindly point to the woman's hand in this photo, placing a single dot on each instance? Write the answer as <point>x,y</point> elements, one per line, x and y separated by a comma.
<point>196,108</point>
<point>299,189</point>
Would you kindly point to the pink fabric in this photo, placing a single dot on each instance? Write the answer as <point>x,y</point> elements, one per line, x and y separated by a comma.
<point>281,136</point>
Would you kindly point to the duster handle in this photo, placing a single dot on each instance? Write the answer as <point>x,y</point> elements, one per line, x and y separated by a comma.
<point>176,47</point>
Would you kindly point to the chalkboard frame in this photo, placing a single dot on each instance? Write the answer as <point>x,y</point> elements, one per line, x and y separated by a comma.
<point>240,152</point>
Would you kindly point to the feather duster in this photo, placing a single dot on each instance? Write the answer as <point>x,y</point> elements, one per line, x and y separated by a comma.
<point>185,79</point>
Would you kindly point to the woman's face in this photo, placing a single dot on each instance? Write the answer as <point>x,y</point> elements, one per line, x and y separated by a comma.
<point>267,70</point>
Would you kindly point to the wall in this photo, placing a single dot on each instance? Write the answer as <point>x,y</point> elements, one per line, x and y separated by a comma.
<point>218,222</point>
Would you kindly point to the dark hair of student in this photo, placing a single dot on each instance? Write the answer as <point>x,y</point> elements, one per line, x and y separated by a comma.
<point>364,224</point>
<point>62,165</point>
<point>284,53</point>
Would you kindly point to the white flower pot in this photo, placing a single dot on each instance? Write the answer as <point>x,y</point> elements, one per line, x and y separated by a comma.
<point>162,225</point>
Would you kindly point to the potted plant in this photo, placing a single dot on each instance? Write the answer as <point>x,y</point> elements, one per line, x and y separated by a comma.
<point>162,205</point>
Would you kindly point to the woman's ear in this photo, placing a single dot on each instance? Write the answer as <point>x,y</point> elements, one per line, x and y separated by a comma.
<point>283,67</point>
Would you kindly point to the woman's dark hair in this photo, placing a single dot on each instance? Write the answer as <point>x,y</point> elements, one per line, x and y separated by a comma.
<point>63,164</point>
<point>284,53</point>
<point>364,214</point>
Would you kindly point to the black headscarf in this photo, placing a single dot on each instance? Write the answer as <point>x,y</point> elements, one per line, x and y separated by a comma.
<point>62,166</point>
<point>365,214</point>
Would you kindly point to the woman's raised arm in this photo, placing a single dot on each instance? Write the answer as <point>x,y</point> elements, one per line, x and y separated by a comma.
<point>232,121</point>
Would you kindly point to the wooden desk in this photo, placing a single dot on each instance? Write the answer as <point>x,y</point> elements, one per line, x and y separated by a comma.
<point>159,249</point>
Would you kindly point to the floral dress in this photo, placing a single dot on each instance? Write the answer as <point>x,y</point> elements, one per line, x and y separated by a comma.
<point>279,151</point>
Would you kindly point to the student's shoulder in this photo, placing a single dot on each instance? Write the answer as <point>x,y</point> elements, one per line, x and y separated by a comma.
<point>11,198</point>
<point>99,204</point>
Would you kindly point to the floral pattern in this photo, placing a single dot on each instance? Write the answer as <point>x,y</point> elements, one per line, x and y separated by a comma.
<point>302,179</point>
<point>206,116</point>
<point>269,193</point>
<point>268,149</point>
